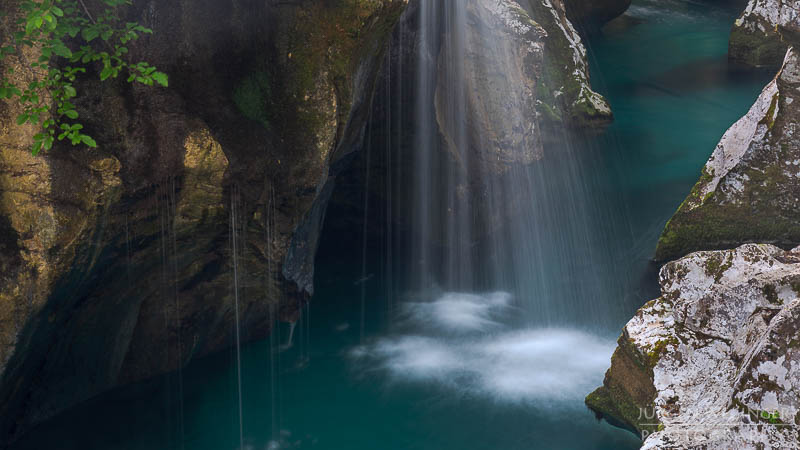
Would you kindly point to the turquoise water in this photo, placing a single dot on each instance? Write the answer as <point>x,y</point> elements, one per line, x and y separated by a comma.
<point>454,370</point>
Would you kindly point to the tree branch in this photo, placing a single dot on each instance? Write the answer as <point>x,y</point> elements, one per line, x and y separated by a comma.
<point>86,10</point>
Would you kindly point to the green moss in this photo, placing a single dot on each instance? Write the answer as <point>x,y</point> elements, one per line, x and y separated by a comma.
<point>717,264</point>
<point>796,287</point>
<point>757,49</point>
<point>769,118</point>
<point>558,76</point>
<point>717,224</point>
<point>654,355</point>
<point>771,294</point>
<point>600,401</point>
<point>253,96</point>
<point>759,416</point>
<point>548,112</point>
<point>311,80</point>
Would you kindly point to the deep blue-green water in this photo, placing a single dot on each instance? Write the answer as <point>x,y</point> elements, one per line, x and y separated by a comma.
<point>462,372</point>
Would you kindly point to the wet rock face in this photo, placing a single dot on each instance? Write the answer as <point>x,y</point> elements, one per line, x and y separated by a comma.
<point>750,187</point>
<point>591,15</point>
<point>763,32</point>
<point>116,264</point>
<point>498,69</point>
<point>564,95</point>
<point>713,363</point>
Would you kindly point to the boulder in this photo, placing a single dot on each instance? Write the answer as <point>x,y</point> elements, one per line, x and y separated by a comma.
<point>714,363</point>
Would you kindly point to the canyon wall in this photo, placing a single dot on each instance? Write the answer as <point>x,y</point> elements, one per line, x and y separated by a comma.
<point>117,263</point>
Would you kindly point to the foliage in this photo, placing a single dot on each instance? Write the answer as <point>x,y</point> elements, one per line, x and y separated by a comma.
<point>68,40</point>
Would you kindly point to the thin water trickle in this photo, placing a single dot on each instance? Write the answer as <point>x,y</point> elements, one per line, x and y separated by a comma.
<point>235,264</point>
<point>173,202</point>
<point>270,296</point>
<point>364,231</point>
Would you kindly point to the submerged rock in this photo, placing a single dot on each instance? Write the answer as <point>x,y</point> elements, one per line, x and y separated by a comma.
<point>714,363</point>
<point>762,33</point>
<point>750,187</point>
<point>116,264</point>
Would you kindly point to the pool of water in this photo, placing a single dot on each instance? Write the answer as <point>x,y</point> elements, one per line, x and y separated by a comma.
<point>451,370</point>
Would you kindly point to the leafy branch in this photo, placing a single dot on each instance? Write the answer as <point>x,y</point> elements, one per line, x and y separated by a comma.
<point>68,40</point>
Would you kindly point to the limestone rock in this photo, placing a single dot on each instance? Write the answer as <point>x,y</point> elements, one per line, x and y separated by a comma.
<point>761,35</point>
<point>750,187</point>
<point>565,95</point>
<point>714,363</point>
<point>498,70</point>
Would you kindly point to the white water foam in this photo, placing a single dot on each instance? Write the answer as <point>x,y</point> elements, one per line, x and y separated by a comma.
<point>460,342</point>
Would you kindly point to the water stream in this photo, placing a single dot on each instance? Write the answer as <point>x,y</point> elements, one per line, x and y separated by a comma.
<point>444,354</point>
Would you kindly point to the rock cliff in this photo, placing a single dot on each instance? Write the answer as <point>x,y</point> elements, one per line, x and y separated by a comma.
<point>117,264</point>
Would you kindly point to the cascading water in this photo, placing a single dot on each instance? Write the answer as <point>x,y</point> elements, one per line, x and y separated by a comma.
<point>504,247</point>
<point>495,204</point>
<point>234,240</point>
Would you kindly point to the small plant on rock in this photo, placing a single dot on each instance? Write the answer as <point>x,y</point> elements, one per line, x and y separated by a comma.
<point>68,40</point>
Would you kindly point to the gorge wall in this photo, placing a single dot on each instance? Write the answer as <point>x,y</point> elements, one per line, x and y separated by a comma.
<point>116,264</point>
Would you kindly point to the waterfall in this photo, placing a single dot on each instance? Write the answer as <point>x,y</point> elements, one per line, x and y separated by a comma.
<point>497,199</point>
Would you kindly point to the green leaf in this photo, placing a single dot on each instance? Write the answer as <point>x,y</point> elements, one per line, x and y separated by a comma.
<point>22,118</point>
<point>161,78</point>
<point>106,72</point>
<point>88,141</point>
<point>61,50</point>
<point>72,114</point>
<point>90,34</point>
<point>70,91</point>
<point>36,147</point>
